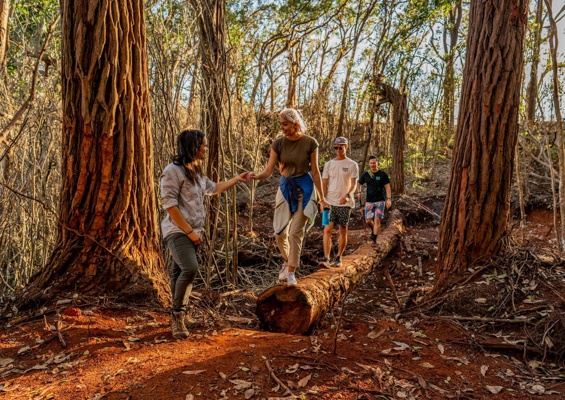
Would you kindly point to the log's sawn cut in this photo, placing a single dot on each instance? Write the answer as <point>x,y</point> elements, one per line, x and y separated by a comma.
<point>296,309</point>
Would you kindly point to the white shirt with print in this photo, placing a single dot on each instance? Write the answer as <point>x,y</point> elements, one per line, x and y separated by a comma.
<point>340,173</point>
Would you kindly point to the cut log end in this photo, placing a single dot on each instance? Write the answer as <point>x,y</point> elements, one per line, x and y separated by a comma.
<point>284,309</point>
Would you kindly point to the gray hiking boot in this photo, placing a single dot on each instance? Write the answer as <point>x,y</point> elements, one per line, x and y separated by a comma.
<point>178,327</point>
<point>189,322</point>
<point>337,262</point>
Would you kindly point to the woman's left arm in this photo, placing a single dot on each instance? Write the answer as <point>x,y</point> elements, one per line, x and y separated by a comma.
<point>225,185</point>
<point>316,176</point>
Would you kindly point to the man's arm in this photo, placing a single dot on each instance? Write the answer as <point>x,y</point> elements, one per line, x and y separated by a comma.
<point>388,196</point>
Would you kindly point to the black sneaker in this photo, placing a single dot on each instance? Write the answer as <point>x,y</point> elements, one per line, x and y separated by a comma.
<point>324,263</point>
<point>337,262</point>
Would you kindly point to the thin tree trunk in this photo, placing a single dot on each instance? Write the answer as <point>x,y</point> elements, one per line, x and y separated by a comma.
<point>211,24</point>
<point>520,186</point>
<point>452,25</point>
<point>359,25</point>
<point>294,59</point>
<point>398,100</point>
<point>532,89</point>
<point>4,13</point>
<point>553,47</point>
<point>478,198</point>
<point>108,233</point>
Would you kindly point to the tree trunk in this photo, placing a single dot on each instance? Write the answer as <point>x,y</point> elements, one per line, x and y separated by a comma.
<point>4,12</point>
<point>532,89</point>
<point>108,238</point>
<point>388,94</point>
<point>211,24</point>
<point>452,24</point>
<point>294,59</point>
<point>477,205</point>
<point>553,47</point>
<point>297,309</point>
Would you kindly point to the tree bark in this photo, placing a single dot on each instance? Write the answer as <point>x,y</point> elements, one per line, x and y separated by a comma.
<point>388,94</point>
<point>553,47</point>
<point>477,205</point>
<point>452,24</point>
<point>211,26</point>
<point>297,309</point>
<point>532,89</point>
<point>108,238</point>
<point>294,59</point>
<point>4,12</point>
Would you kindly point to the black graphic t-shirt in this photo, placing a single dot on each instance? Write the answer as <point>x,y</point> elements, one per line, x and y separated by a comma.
<point>375,185</point>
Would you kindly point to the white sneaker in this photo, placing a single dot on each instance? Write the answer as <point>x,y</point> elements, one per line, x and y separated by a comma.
<point>291,279</point>
<point>283,272</point>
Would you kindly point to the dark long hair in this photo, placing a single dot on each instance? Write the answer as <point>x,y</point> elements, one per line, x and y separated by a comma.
<point>188,143</point>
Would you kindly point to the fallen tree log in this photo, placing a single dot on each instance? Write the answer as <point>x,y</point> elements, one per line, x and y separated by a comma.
<point>296,309</point>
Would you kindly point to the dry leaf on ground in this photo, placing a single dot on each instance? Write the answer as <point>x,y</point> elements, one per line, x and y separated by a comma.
<point>494,389</point>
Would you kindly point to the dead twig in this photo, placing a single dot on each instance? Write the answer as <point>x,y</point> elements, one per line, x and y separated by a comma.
<point>338,324</point>
<point>393,288</point>
<point>484,319</point>
<point>277,380</point>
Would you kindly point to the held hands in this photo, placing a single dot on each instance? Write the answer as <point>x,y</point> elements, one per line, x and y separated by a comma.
<point>245,177</point>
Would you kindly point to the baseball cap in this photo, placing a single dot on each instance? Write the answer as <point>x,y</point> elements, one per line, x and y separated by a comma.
<point>341,140</point>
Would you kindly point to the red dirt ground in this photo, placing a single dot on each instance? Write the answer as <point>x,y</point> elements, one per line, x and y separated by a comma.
<point>127,353</point>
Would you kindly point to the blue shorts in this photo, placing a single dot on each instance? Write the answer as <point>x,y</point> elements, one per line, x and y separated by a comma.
<point>376,209</point>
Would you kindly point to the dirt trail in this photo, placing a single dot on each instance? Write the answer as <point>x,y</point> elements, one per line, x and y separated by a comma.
<point>115,353</point>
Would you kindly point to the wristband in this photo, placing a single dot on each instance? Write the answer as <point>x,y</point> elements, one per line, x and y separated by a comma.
<point>188,233</point>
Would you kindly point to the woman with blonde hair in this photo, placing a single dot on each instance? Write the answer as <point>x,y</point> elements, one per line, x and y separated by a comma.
<point>296,201</point>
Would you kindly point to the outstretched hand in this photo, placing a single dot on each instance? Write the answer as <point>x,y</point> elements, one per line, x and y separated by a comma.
<point>245,176</point>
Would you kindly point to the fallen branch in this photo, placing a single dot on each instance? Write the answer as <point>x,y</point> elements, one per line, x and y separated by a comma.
<point>484,319</point>
<point>277,379</point>
<point>393,288</point>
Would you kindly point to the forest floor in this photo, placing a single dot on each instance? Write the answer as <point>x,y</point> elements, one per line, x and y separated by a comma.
<point>371,350</point>
<point>500,334</point>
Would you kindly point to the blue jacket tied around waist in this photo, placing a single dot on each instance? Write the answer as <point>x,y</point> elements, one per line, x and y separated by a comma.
<point>289,188</point>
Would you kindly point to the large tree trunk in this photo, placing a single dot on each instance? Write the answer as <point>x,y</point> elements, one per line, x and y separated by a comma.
<point>296,309</point>
<point>4,12</point>
<point>478,198</point>
<point>108,238</point>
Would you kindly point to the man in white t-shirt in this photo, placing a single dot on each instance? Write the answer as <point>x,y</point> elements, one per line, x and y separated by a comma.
<point>339,180</point>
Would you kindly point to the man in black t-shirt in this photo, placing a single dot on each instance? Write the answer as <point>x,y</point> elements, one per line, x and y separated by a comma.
<point>378,196</point>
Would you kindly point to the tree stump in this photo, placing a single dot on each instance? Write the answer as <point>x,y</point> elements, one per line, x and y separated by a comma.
<point>296,309</point>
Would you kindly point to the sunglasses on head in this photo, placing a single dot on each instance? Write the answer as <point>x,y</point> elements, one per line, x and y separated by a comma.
<point>338,147</point>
